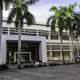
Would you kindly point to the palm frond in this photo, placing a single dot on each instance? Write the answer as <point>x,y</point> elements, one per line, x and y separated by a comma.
<point>62,11</point>
<point>29,18</point>
<point>78,32</point>
<point>53,25</point>
<point>55,10</point>
<point>20,12</point>
<point>7,3</point>
<point>72,6</point>
<point>77,19</point>
<point>30,2</point>
<point>70,9</point>
<point>49,20</point>
<point>52,22</point>
<point>18,18</point>
<point>24,7</point>
<point>16,22</point>
<point>11,16</point>
<point>61,23</point>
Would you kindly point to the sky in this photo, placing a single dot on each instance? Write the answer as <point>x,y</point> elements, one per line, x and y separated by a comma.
<point>41,10</point>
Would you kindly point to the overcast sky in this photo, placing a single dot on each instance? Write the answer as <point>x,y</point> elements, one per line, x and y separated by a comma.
<point>41,10</point>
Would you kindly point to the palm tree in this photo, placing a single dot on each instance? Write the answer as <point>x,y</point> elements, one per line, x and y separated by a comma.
<point>76,26</point>
<point>19,13</point>
<point>57,21</point>
<point>71,21</point>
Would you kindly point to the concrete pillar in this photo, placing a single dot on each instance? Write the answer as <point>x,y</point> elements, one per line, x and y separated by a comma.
<point>3,51</point>
<point>43,52</point>
<point>50,55</point>
<point>60,49</point>
<point>79,46</point>
<point>60,56</point>
<point>71,56</point>
<point>8,31</point>
<point>49,38</point>
<point>49,35</point>
<point>37,33</point>
<point>0,51</point>
<point>71,50</point>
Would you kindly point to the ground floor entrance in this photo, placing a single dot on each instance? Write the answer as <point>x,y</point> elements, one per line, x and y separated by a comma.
<point>29,51</point>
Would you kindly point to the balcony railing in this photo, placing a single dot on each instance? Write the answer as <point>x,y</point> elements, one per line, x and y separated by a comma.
<point>10,31</point>
<point>30,32</point>
<point>47,34</point>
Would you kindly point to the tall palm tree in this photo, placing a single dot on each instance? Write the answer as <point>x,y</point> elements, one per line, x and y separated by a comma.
<point>76,26</point>
<point>19,13</point>
<point>57,21</point>
<point>70,19</point>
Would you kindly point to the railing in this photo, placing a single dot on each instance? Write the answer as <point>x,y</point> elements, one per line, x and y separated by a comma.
<point>30,32</point>
<point>49,35</point>
<point>10,31</point>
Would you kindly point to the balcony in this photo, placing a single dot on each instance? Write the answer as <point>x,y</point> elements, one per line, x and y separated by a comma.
<point>50,36</point>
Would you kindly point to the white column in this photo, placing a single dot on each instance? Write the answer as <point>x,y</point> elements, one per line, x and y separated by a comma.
<point>49,35</point>
<point>3,51</point>
<point>43,52</point>
<point>49,38</point>
<point>60,48</point>
<point>77,45</point>
<point>15,60</point>
<point>37,33</point>
<point>71,51</point>
<point>8,31</point>
<point>30,59</point>
<point>0,51</point>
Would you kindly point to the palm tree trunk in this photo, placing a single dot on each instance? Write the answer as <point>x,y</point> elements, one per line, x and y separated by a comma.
<point>0,23</point>
<point>19,45</point>
<point>62,51</point>
<point>72,47</point>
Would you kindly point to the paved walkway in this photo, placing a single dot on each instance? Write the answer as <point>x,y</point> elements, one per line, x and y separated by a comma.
<point>65,72</point>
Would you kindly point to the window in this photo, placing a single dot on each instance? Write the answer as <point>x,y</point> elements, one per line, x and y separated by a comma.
<point>54,36</point>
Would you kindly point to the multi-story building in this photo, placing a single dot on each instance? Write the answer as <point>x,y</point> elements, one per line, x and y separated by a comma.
<point>38,44</point>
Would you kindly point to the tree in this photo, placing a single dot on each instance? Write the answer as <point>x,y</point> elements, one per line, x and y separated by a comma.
<point>57,21</point>
<point>19,13</point>
<point>72,23</point>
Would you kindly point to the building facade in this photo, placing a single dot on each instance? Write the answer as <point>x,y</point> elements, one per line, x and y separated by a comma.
<point>38,44</point>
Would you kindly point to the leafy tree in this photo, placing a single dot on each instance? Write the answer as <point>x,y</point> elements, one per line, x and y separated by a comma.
<point>72,21</point>
<point>20,12</point>
<point>57,21</point>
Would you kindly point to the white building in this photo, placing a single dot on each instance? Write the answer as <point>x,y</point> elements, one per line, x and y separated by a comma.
<point>38,44</point>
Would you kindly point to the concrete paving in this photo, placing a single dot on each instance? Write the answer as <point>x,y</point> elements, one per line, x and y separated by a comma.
<point>61,72</point>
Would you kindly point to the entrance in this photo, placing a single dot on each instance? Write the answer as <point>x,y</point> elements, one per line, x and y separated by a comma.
<point>29,52</point>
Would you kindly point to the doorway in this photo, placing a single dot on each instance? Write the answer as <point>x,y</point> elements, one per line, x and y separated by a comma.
<point>29,51</point>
